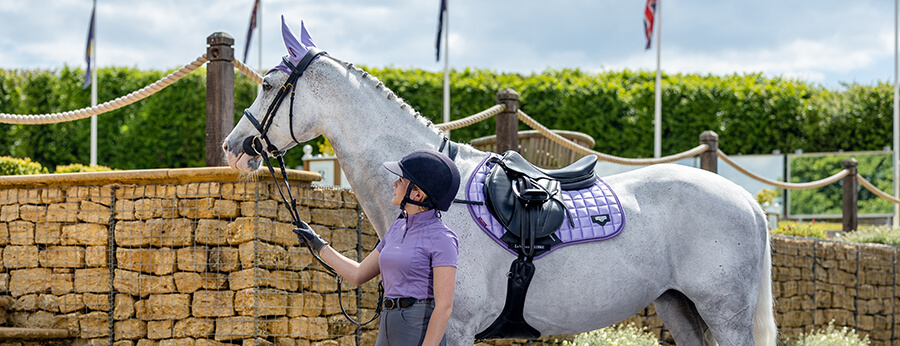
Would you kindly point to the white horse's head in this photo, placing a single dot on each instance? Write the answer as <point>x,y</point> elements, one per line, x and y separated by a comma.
<point>271,123</point>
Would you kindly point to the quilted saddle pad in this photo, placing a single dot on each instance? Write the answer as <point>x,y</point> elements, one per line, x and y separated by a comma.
<point>595,211</point>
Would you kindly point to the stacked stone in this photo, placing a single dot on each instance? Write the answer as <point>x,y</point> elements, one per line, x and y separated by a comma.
<point>793,284</point>
<point>188,264</point>
<point>876,304</point>
<point>836,282</point>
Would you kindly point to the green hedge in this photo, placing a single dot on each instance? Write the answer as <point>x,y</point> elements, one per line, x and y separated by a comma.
<point>874,167</point>
<point>752,114</point>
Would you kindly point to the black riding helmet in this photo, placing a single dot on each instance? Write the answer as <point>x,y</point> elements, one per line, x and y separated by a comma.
<point>431,171</point>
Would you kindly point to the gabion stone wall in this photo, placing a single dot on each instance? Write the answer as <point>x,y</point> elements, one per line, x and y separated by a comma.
<point>819,281</point>
<point>179,257</point>
<point>206,257</point>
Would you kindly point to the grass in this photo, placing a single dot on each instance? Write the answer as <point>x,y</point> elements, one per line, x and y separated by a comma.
<point>828,337</point>
<point>615,335</point>
<point>631,335</point>
<point>878,235</point>
<point>865,234</point>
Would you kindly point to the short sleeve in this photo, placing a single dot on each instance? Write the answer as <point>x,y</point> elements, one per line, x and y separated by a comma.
<point>445,249</point>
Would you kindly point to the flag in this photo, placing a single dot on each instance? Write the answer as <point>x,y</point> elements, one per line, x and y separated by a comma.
<point>250,30</point>
<point>88,52</point>
<point>437,43</point>
<point>649,14</point>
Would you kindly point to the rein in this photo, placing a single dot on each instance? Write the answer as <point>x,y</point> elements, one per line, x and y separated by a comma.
<point>254,146</point>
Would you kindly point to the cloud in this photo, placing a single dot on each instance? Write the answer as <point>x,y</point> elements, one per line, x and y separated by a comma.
<point>830,42</point>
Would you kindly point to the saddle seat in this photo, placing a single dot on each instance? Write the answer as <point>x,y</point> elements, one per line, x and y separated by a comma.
<point>578,175</point>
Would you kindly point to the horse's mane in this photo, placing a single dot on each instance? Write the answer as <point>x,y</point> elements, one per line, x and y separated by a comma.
<point>389,94</point>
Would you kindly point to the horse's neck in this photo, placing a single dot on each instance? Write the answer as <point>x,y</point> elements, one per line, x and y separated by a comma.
<point>368,126</point>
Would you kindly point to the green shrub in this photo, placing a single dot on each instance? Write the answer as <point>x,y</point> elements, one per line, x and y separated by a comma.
<point>615,335</point>
<point>77,167</point>
<point>877,235</point>
<point>828,337</point>
<point>801,229</point>
<point>751,113</point>
<point>14,166</point>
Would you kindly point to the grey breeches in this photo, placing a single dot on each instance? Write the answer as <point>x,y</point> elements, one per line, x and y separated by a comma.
<point>405,326</point>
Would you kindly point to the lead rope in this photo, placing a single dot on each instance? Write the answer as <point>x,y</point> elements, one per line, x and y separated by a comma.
<point>291,205</point>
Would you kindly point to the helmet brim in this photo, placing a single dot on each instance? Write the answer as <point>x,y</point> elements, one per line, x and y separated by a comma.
<point>394,167</point>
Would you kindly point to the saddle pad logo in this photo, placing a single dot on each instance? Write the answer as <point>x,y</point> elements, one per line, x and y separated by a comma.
<point>601,220</point>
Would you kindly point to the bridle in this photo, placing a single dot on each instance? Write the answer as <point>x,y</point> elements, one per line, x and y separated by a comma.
<point>254,146</point>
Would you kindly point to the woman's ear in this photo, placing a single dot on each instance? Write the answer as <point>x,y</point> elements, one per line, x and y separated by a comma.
<point>419,195</point>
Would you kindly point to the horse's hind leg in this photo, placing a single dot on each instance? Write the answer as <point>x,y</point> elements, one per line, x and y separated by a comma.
<point>681,318</point>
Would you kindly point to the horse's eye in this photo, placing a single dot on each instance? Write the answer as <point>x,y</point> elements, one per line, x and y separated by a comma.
<point>266,85</point>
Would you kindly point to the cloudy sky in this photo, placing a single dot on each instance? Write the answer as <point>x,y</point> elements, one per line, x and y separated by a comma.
<point>820,41</point>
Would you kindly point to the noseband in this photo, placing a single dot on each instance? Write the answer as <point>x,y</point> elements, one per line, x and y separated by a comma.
<point>254,146</point>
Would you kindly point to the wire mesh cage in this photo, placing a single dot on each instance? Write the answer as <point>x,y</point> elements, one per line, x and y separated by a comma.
<point>207,262</point>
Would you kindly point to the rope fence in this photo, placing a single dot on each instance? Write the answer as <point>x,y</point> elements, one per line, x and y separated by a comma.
<point>783,185</point>
<point>33,119</point>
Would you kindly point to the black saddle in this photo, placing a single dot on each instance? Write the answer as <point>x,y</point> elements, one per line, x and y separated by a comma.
<point>526,199</point>
<point>576,176</point>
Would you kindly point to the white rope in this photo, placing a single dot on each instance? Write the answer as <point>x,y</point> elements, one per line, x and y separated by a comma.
<point>474,118</point>
<point>32,119</point>
<point>606,157</point>
<point>783,185</point>
<point>247,71</point>
<point>876,190</point>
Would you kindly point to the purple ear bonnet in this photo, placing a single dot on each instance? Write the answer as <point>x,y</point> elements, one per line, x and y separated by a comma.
<point>296,48</point>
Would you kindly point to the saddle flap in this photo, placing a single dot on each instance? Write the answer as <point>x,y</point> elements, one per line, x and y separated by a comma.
<point>542,202</point>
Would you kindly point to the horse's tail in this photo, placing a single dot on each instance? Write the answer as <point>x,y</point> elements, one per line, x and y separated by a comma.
<point>764,329</point>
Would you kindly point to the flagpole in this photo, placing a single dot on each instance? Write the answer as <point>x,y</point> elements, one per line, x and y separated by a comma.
<point>447,68</point>
<point>93,68</point>
<point>259,24</point>
<point>657,114</point>
<point>94,103</point>
<point>896,147</point>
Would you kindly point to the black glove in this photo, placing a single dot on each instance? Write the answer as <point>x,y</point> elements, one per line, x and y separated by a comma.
<point>311,238</point>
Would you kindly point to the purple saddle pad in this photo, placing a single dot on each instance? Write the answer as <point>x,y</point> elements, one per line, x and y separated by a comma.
<point>595,211</point>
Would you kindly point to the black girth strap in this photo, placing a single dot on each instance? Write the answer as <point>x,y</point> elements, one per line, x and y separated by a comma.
<point>511,322</point>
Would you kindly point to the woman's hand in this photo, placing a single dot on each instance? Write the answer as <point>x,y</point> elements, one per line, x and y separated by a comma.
<point>311,238</point>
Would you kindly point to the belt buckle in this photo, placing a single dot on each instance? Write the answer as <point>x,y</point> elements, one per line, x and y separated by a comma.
<point>390,303</point>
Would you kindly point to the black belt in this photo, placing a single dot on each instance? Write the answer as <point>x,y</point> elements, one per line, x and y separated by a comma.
<point>393,303</point>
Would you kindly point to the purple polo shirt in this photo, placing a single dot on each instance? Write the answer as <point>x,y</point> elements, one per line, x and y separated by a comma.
<point>409,251</point>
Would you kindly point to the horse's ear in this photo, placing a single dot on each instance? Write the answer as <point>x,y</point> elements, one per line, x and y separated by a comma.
<point>305,38</point>
<point>296,49</point>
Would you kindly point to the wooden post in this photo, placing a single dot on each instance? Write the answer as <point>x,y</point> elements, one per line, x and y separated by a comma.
<point>709,160</point>
<point>219,95</point>
<point>508,121</point>
<point>850,196</point>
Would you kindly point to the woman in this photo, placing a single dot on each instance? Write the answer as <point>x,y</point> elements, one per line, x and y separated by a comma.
<point>416,257</point>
